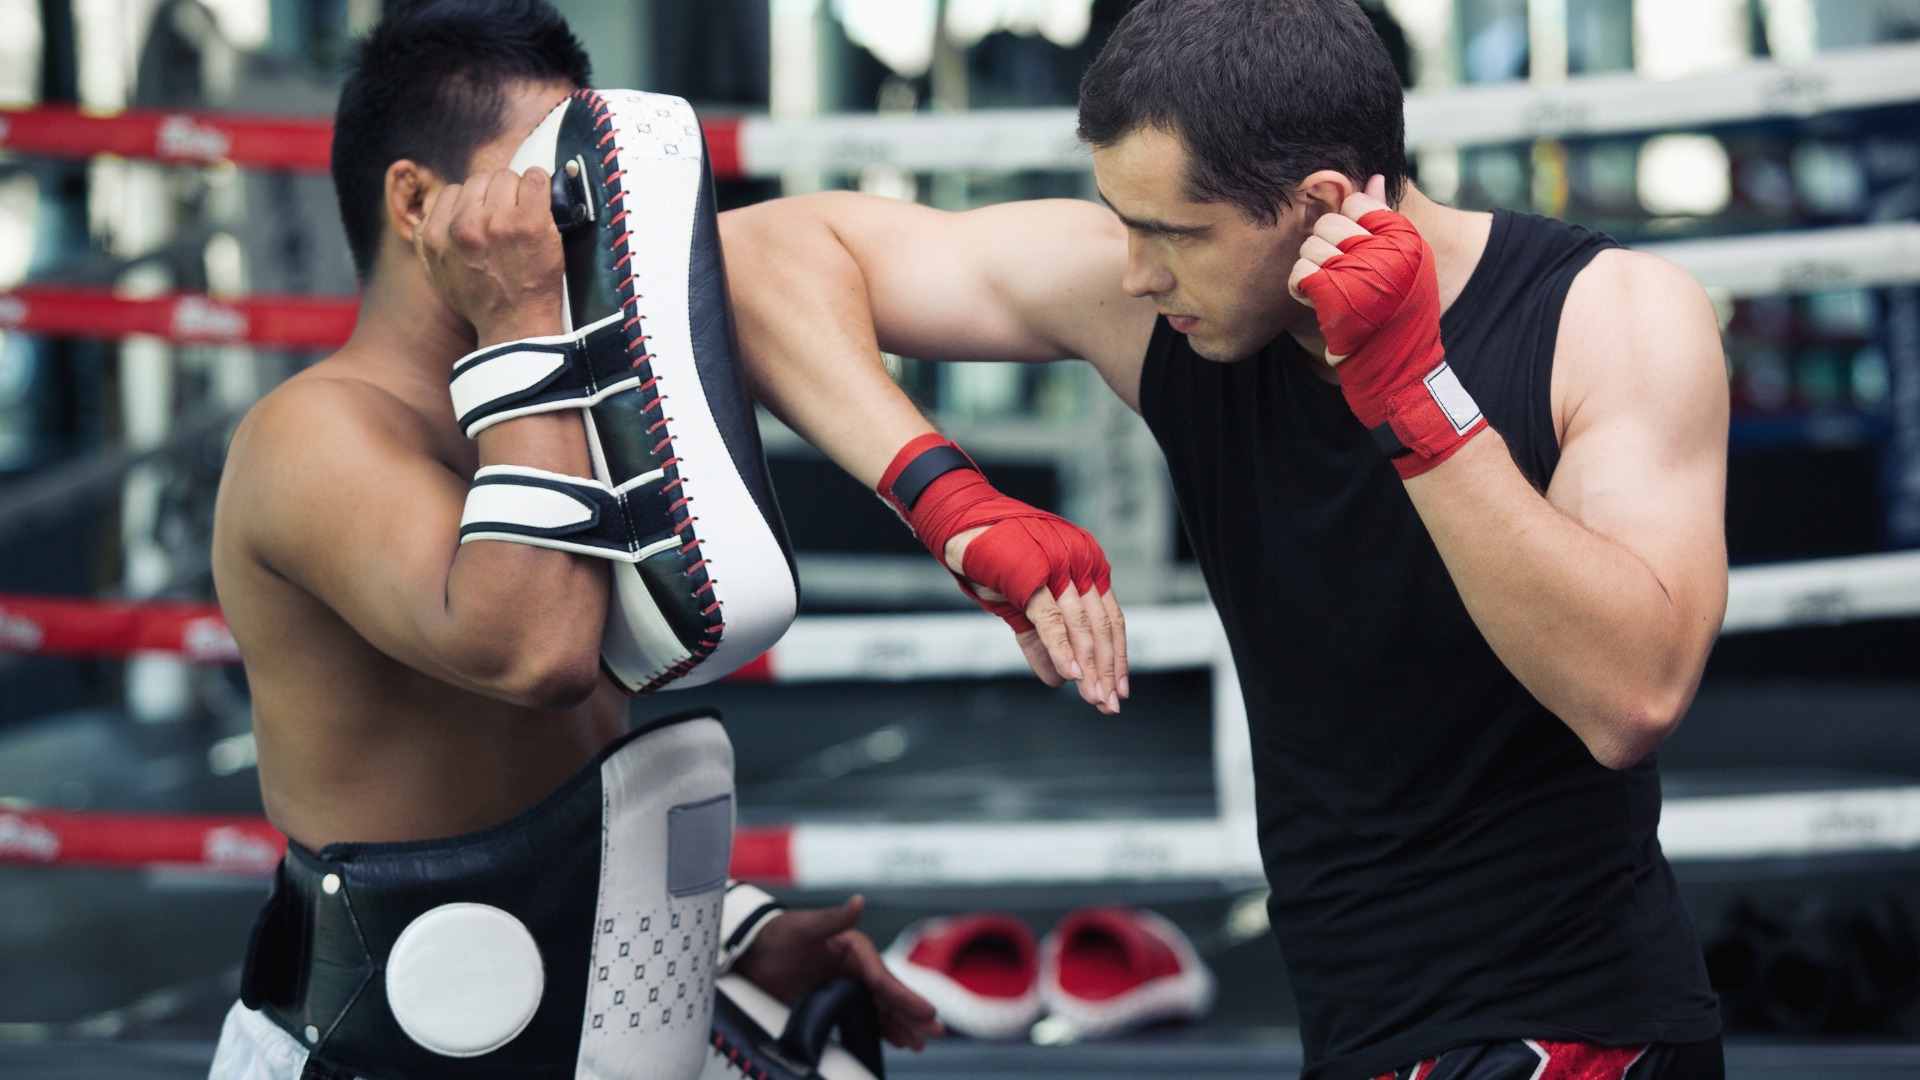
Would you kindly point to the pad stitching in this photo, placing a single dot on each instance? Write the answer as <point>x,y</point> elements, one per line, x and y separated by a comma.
<point>739,1060</point>
<point>641,361</point>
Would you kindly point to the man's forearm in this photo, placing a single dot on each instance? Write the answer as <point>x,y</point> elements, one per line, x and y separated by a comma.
<point>806,315</point>
<point>1582,622</point>
<point>807,339</point>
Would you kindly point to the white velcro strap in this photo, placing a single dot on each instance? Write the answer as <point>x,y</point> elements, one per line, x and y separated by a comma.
<point>522,505</point>
<point>541,374</point>
<point>745,913</point>
<point>1458,405</point>
<point>499,375</point>
<point>543,508</point>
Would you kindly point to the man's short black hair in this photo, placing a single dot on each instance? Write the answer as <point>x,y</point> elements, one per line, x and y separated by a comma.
<point>428,84</point>
<point>1261,93</point>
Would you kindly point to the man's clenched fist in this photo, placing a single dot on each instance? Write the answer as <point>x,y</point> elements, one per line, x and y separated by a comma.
<point>491,249</point>
<point>1369,277</point>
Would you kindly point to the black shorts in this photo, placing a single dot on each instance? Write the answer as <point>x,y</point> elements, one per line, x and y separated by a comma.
<point>1526,1059</point>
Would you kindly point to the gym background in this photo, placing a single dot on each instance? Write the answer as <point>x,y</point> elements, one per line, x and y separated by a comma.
<point>1772,146</point>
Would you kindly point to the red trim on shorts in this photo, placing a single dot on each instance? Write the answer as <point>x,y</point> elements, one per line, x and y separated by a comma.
<point>1584,1060</point>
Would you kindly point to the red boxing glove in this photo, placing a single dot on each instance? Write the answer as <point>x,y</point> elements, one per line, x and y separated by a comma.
<point>1378,303</point>
<point>939,492</point>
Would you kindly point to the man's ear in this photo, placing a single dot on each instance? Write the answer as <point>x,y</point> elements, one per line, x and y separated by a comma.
<point>1324,192</point>
<point>409,185</point>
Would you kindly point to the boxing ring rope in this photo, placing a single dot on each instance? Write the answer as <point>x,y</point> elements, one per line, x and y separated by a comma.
<point>1806,260</point>
<point>302,144</point>
<point>183,318</point>
<point>1823,592</point>
<point>819,855</point>
<point>62,626</point>
<point>961,645</point>
<point>867,648</point>
<point>1008,139</point>
<point>1584,106</point>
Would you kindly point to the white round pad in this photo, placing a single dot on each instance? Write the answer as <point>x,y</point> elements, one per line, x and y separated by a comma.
<point>464,979</point>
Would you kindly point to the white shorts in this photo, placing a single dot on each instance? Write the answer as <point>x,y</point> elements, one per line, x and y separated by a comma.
<point>252,1047</point>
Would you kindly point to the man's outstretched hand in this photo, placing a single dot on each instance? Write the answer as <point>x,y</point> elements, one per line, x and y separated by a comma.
<point>1075,635</point>
<point>798,950</point>
<point>1044,575</point>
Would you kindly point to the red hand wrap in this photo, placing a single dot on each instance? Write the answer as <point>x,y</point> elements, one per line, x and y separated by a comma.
<point>1378,303</point>
<point>1022,551</point>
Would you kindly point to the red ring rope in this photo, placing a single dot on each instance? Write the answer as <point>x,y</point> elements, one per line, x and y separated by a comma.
<point>232,844</point>
<point>300,144</point>
<point>197,633</point>
<point>296,322</point>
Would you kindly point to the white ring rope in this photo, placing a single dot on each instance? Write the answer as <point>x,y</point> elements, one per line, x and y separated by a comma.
<point>1823,592</point>
<point>1172,637</point>
<point>1589,105</point>
<point>1807,260</point>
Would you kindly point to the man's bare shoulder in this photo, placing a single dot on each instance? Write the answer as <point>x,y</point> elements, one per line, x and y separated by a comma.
<point>1084,242</point>
<point>1065,262</point>
<point>326,412</point>
<point>313,438</point>
<point>1628,274</point>
<point>1074,257</point>
<point>1636,328</point>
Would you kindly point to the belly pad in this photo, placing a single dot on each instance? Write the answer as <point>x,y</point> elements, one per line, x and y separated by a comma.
<point>578,939</point>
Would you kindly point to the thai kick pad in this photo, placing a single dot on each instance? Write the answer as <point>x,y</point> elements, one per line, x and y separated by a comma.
<point>757,1038</point>
<point>579,939</point>
<point>680,501</point>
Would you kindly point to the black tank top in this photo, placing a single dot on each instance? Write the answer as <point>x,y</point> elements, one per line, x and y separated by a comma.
<point>1449,864</point>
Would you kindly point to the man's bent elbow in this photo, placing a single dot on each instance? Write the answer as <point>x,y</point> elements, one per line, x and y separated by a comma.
<point>552,684</point>
<point>536,673</point>
<point>1638,729</point>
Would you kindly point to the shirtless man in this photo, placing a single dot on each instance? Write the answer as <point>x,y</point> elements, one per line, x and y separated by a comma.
<point>407,687</point>
<point>1468,594</point>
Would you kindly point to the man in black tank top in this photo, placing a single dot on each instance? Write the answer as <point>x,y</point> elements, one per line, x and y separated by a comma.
<point>1468,592</point>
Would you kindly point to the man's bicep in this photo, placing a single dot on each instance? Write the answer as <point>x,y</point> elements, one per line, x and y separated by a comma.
<point>1643,458</point>
<point>1025,281</point>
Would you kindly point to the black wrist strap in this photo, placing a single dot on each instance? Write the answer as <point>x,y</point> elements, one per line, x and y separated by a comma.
<point>933,463</point>
<point>1388,442</point>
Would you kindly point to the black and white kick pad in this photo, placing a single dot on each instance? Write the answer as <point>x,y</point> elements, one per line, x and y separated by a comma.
<point>581,938</point>
<point>680,501</point>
